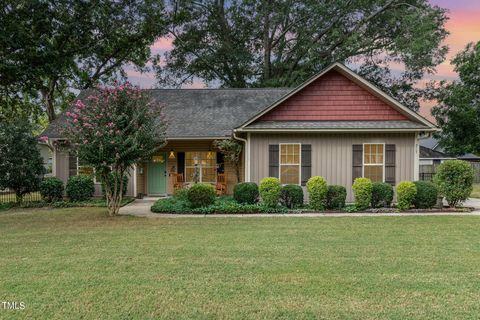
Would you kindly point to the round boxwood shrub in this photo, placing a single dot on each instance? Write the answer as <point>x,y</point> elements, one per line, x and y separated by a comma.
<point>51,189</point>
<point>291,196</point>
<point>454,181</point>
<point>80,188</point>
<point>201,195</point>
<point>336,196</point>
<point>246,192</point>
<point>270,190</point>
<point>124,187</point>
<point>362,190</point>
<point>382,195</point>
<point>317,192</point>
<point>406,191</point>
<point>426,196</point>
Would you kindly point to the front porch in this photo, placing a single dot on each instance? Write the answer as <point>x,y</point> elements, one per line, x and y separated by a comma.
<point>194,159</point>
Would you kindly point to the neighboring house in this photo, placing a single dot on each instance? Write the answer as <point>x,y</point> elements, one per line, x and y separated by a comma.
<point>336,125</point>
<point>429,161</point>
<point>432,154</point>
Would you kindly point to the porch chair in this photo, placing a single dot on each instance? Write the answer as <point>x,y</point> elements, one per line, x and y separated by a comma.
<point>221,186</point>
<point>178,181</point>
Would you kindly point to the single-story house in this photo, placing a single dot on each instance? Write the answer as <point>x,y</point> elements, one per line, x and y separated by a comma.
<point>336,124</point>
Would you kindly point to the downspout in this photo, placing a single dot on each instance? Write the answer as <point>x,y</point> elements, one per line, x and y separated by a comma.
<point>247,155</point>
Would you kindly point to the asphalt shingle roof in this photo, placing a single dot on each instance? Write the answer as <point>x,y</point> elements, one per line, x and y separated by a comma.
<point>202,112</point>
<point>427,153</point>
<point>216,112</point>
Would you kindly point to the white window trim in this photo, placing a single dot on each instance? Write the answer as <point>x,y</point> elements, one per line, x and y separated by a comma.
<point>373,165</point>
<point>299,161</point>
<point>200,168</point>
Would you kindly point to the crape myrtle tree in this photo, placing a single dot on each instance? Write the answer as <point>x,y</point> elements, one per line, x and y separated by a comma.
<point>113,129</point>
<point>458,109</point>
<point>268,43</point>
<point>21,166</point>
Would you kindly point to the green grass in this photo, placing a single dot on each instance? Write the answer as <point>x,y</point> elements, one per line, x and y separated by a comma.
<point>476,191</point>
<point>77,263</point>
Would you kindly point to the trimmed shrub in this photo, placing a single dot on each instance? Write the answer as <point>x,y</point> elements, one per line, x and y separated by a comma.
<point>51,189</point>
<point>336,196</point>
<point>246,192</point>
<point>406,191</point>
<point>426,196</point>
<point>362,190</point>
<point>124,188</point>
<point>80,188</point>
<point>454,180</point>
<point>317,192</point>
<point>270,189</point>
<point>201,195</point>
<point>291,196</point>
<point>382,195</point>
<point>181,194</point>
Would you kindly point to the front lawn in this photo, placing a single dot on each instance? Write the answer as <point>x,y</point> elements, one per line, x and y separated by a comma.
<point>76,263</point>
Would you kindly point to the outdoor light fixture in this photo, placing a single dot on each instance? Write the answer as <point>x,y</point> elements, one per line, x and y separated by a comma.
<point>210,154</point>
<point>158,158</point>
<point>171,155</point>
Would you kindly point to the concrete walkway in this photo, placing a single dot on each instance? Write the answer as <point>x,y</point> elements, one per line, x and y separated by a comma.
<point>141,208</point>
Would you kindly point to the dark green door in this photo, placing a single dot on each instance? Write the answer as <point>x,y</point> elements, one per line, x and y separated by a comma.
<point>157,176</point>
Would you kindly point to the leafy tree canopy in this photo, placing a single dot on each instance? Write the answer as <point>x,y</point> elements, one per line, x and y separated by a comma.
<point>21,166</point>
<point>244,43</point>
<point>49,47</point>
<point>458,109</point>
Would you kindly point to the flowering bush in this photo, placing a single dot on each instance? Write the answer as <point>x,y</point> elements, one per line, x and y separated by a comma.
<point>113,129</point>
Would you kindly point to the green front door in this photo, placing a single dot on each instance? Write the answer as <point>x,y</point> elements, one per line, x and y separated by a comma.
<point>157,176</point>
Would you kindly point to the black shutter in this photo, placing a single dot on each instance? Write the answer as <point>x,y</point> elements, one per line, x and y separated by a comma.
<point>306,163</point>
<point>273,160</point>
<point>220,163</point>
<point>357,161</point>
<point>180,162</point>
<point>390,164</point>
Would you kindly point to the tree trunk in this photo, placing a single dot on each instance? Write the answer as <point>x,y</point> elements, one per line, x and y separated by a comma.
<point>48,99</point>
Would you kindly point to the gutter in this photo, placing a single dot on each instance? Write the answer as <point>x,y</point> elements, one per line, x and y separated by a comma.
<point>247,154</point>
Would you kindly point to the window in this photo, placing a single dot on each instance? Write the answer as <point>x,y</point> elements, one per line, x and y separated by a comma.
<point>374,162</point>
<point>290,163</point>
<point>85,170</point>
<point>202,164</point>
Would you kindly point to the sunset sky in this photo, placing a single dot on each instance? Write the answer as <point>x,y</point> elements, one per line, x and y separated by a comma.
<point>464,27</point>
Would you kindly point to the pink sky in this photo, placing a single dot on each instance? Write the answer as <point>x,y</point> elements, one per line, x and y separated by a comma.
<point>464,27</point>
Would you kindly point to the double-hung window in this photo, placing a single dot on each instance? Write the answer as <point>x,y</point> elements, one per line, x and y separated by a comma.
<point>374,161</point>
<point>290,163</point>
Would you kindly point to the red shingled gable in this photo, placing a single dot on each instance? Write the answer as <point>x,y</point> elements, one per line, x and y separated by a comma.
<point>332,97</point>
